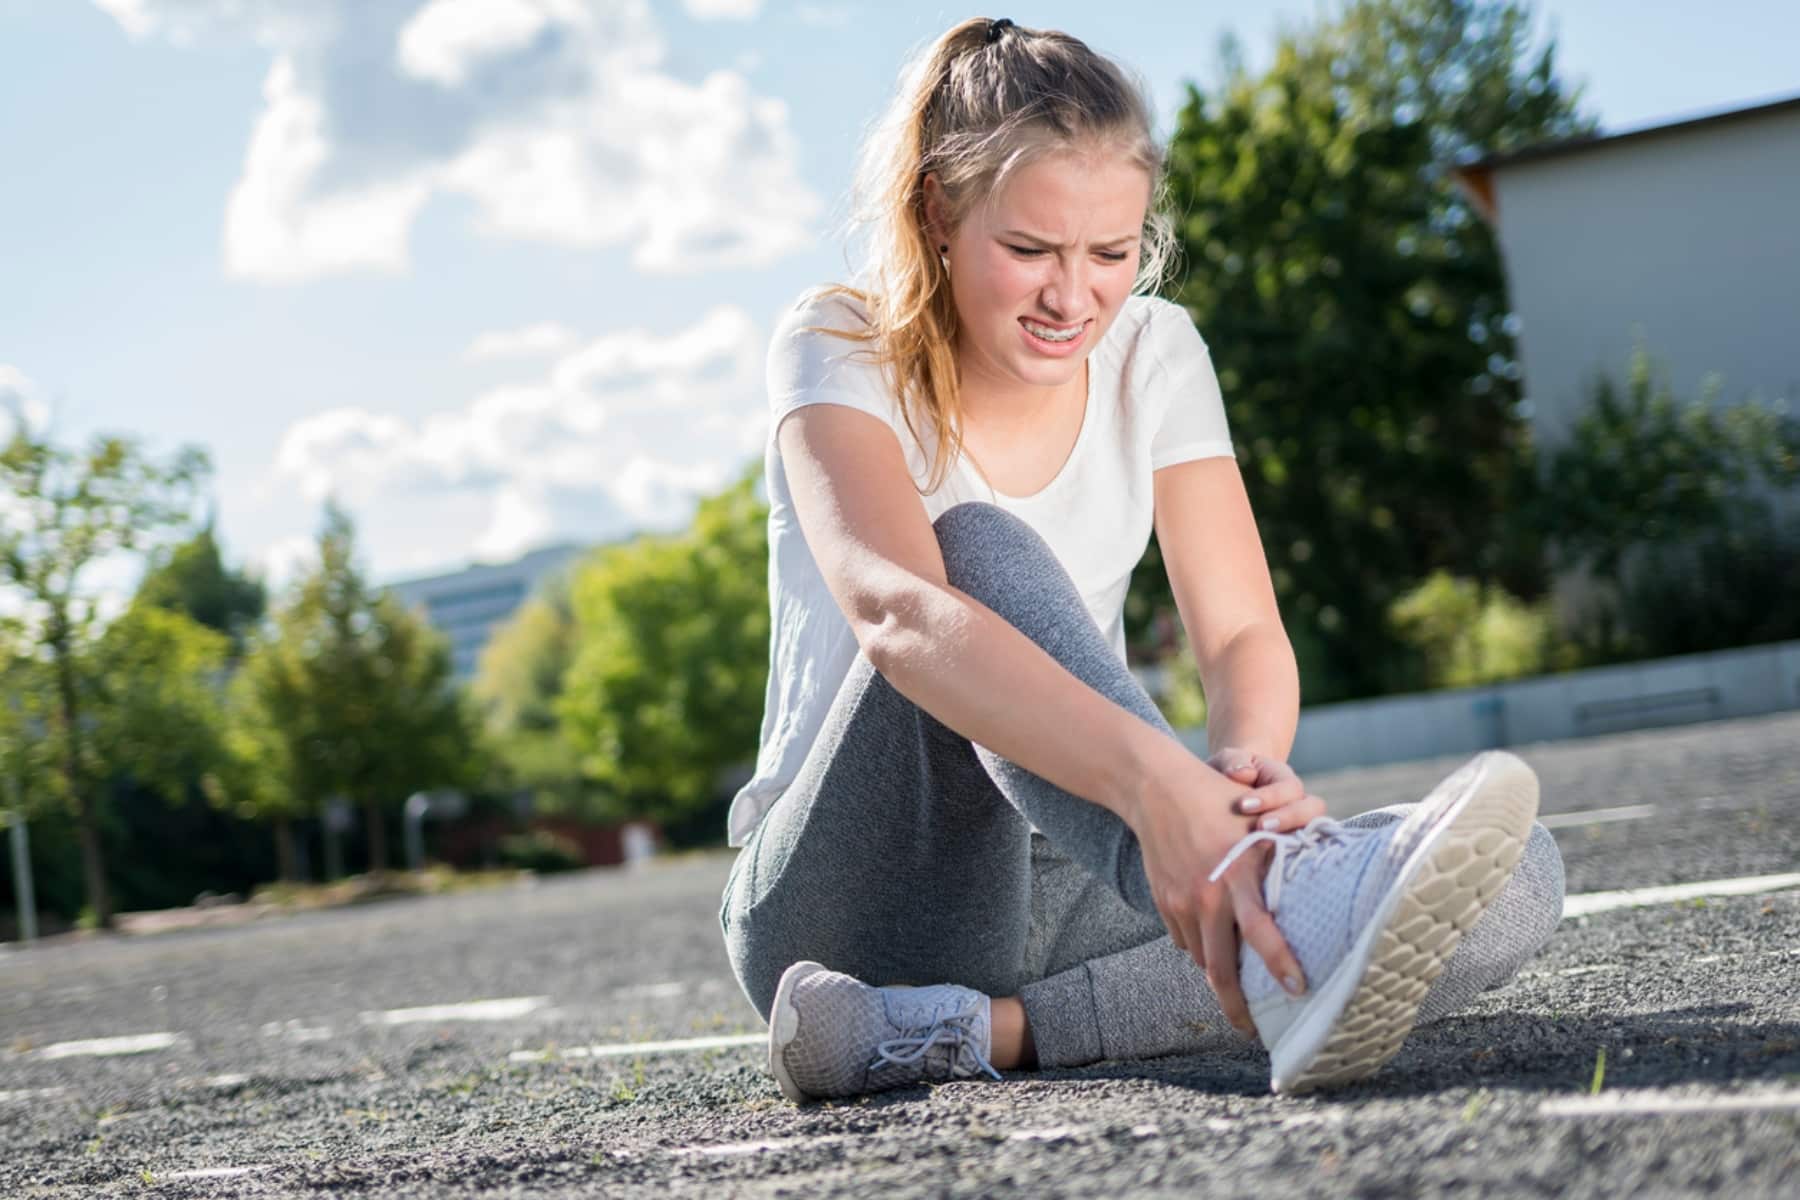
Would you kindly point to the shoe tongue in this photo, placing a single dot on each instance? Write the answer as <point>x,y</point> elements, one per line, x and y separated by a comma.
<point>914,1007</point>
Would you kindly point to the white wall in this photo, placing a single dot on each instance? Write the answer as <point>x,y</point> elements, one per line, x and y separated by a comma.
<point>1692,234</point>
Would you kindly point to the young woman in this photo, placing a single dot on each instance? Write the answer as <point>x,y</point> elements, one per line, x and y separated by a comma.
<point>960,786</point>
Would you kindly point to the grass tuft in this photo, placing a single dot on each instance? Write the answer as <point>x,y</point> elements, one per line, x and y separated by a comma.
<point>1599,1073</point>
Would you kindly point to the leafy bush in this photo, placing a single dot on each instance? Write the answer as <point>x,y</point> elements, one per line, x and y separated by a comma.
<point>1668,516</point>
<point>542,851</point>
<point>1466,634</point>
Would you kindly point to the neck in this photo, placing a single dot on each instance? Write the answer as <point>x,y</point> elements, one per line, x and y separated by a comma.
<point>997,400</point>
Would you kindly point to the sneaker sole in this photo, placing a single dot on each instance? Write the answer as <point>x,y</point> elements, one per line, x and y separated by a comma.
<point>1363,1012</point>
<point>784,1027</point>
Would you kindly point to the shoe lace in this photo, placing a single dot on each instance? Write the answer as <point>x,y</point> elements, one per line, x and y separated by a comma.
<point>1315,841</point>
<point>955,1030</point>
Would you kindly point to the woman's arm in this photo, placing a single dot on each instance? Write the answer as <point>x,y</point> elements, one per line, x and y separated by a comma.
<point>1220,577</point>
<point>940,648</point>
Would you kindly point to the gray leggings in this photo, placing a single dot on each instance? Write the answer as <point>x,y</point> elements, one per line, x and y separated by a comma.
<point>904,853</point>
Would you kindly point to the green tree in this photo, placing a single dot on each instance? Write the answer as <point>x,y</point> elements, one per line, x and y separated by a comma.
<point>348,693</point>
<point>61,511</point>
<point>672,640</point>
<point>1356,312</point>
<point>191,577</point>
<point>517,687</point>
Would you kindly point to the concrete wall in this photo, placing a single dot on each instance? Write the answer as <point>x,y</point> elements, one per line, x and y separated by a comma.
<point>1668,691</point>
<point>1690,234</point>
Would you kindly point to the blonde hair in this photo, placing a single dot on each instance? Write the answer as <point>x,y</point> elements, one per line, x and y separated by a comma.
<point>983,100</point>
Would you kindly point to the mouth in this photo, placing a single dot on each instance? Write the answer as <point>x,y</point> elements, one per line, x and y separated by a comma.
<point>1051,336</point>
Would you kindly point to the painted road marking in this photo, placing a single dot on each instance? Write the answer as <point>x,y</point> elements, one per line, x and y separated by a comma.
<point>627,1049</point>
<point>31,1094</point>
<point>137,1043</point>
<point>297,1031</point>
<point>214,1172</point>
<point>509,1008</point>
<point>1587,903</point>
<point>1654,1104</point>
<point>1596,816</point>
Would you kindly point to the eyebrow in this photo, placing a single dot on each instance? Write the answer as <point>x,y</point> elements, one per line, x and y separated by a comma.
<point>1032,237</point>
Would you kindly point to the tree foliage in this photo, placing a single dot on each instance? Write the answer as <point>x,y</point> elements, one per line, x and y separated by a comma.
<point>1356,312</point>
<point>61,512</point>
<point>517,687</point>
<point>348,693</point>
<point>191,578</point>
<point>671,659</point>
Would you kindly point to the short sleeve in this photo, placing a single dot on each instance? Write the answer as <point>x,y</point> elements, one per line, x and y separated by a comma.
<point>807,365</point>
<point>1193,410</point>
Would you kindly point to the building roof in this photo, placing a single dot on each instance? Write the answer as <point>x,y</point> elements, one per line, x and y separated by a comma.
<point>1477,178</point>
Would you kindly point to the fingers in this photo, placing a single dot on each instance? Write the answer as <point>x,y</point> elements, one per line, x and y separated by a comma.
<point>1289,817</point>
<point>1259,931</point>
<point>1219,932</point>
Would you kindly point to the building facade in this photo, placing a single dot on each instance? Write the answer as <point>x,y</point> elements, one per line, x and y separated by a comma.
<point>1684,234</point>
<point>467,606</point>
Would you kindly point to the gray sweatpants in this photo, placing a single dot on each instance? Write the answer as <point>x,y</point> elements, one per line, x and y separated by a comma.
<point>904,853</point>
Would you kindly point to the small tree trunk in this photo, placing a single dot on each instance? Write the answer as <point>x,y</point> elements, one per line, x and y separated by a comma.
<point>93,866</point>
<point>284,850</point>
<point>377,833</point>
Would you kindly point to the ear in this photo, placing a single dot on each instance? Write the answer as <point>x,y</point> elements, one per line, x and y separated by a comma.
<point>937,209</point>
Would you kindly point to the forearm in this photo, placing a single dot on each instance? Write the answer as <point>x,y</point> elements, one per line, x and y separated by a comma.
<point>1253,693</point>
<point>971,669</point>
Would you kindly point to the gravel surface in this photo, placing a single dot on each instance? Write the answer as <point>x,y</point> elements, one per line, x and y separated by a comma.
<point>294,1058</point>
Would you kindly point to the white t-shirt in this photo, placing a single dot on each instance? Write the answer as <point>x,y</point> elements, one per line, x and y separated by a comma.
<point>1153,400</point>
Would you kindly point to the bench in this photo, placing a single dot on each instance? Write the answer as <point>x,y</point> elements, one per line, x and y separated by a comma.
<point>1632,707</point>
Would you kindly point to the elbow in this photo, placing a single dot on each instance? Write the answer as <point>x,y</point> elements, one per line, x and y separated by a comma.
<point>892,627</point>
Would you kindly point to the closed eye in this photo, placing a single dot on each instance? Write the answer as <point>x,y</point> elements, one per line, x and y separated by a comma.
<point>1035,252</point>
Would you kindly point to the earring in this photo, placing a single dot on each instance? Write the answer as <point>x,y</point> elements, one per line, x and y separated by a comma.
<point>944,256</point>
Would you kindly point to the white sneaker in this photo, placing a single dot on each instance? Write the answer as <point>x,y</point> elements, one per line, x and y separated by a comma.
<point>832,1035</point>
<point>1374,914</point>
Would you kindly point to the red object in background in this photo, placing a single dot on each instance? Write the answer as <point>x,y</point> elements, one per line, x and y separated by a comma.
<point>477,843</point>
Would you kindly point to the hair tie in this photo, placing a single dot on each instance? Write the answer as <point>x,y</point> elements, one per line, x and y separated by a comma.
<point>996,28</point>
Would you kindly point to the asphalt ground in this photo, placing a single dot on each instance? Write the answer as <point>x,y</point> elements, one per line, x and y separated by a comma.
<point>302,1056</point>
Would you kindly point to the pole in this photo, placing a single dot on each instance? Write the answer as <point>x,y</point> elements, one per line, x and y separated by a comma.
<point>20,837</point>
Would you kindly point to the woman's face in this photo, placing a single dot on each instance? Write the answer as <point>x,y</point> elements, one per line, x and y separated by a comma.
<point>1039,274</point>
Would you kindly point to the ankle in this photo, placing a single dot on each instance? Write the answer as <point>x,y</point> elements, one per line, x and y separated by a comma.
<point>1010,1029</point>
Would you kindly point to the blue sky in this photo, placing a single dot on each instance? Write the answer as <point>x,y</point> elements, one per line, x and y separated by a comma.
<point>499,272</point>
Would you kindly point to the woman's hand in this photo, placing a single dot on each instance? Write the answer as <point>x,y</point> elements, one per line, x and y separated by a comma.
<point>1185,824</point>
<point>1278,800</point>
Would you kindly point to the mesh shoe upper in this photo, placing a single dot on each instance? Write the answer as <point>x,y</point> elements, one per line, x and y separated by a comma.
<point>853,1038</point>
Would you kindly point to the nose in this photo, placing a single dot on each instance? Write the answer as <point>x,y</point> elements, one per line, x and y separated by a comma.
<point>1062,292</point>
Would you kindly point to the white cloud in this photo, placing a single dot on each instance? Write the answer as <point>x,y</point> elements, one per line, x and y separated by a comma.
<point>621,433</point>
<point>555,117</point>
<point>276,231</point>
<point>546,337</point>
<point>21,404</point>
<point>722,10</point>
<point>286,559</point>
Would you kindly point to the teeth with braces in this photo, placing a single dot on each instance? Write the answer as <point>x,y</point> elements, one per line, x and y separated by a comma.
<point>1051,335</point>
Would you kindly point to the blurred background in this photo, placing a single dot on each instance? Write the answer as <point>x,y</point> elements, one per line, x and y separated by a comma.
<point>381,402</point>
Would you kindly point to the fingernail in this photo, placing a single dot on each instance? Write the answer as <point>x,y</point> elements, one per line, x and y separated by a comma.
<point>1234,768</point>
<point>1271,822</point>
<point>1250,804</point>
<point>1294,985</point>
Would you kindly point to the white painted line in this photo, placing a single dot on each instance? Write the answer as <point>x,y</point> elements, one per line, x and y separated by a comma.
<point>628,1049</point>
<point>509,1008</point>
<point>1596,816</point>
<point>1655,1104</point>
<point>737,1149</point>
<point>31,1094</point>
<point>1595,902</point>
<point>1056,1133</point>
<point>137,1043</point>
<point>1596,968</point>
<point>296,1031</point>
<point>213,1173</point>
